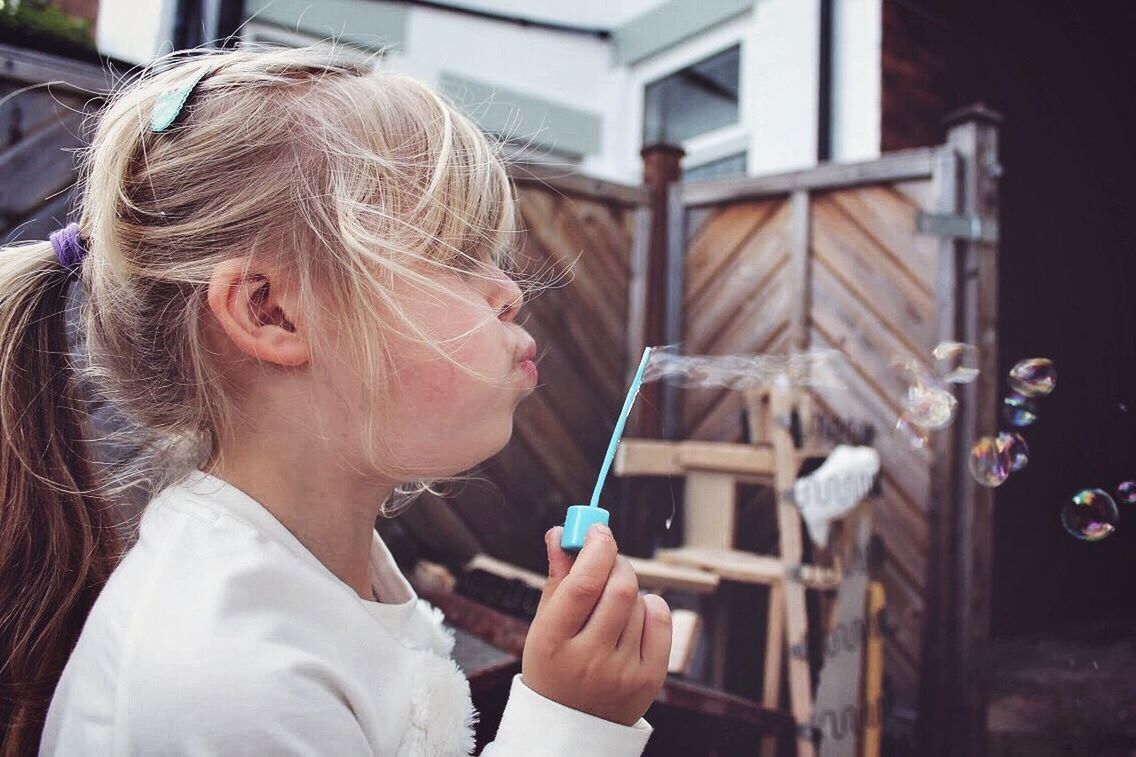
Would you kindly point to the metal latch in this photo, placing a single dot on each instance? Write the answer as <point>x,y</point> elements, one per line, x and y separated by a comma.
<point>970,228</point>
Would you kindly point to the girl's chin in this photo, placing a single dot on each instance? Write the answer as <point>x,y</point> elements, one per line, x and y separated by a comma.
<point>492,441</point>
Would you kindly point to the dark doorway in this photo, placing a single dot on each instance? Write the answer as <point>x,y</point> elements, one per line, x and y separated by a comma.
<point>1064,611</point>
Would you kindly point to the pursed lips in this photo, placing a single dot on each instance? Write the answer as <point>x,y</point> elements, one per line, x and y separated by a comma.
<point>525,362</point>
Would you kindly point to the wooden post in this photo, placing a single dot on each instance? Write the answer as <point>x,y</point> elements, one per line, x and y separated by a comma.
<point>774,654</point>
<point>800,260</point>
<point>935,666</point>
<point>792,554</point>
<point>974,134</point>
<point>661,169</point>
<point>872,706</point>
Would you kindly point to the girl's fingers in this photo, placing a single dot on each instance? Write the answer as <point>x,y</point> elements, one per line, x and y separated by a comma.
<point>633,631</point>
<point>655,648</point>
<point>615,606</point>
<point>559,560</point>
<point>559,564</point>
<point>572,601</point>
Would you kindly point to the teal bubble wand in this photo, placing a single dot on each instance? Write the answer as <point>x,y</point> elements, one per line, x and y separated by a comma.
<point>582,517</point>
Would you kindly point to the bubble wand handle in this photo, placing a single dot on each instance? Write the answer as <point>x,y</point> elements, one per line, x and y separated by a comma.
<point>617,434</point>
<point>580,518</point>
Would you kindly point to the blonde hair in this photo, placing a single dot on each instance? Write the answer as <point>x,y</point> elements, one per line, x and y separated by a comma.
<point>348,178</point>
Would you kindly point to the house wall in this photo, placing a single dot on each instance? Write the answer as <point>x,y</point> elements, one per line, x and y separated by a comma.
<point>857,83</point>
<point>537,75</point>
<point>578,97</point>
<point>134,32</point>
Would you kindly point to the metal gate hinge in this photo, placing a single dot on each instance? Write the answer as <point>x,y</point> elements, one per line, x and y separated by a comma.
<point>970,228</point>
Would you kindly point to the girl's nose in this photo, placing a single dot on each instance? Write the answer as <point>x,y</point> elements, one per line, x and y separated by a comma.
<point>506,297</point>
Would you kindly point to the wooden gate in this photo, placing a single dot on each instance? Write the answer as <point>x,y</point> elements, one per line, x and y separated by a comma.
<point>876,261</point>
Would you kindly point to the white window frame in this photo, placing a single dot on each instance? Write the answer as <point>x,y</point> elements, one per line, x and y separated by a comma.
<point>713,144</point>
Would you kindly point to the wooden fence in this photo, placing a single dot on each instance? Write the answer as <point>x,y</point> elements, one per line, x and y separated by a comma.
<point>876,261</point>
<point>830,257</point>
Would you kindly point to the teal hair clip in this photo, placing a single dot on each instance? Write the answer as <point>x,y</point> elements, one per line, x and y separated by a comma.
<point>170,103</point>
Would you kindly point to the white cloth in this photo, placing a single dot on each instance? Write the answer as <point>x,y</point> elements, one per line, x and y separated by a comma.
<point>220,633</point>
<point>833,489</point>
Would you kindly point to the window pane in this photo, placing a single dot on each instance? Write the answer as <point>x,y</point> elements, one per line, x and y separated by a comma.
<point>693,101</point>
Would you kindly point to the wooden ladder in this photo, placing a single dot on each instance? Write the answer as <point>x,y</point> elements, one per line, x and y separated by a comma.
<point>712,471</point>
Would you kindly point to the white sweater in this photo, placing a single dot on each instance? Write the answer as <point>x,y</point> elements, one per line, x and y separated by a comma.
<point>220,633</point>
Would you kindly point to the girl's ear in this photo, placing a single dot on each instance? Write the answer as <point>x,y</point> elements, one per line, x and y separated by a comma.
<point>258,307</point>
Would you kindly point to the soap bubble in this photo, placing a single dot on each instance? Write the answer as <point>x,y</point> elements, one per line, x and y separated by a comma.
<point>1126,493</point>
<point>1019,411</point>
<point>956,362</point>
<point>990,462</point>
<point>916,437</point>
<point>1016,448</point>
<point>1090,515</point>
<point>910,371</point>
<point>929,405</point>
<point>811,368</point>
<point>1035,377</point>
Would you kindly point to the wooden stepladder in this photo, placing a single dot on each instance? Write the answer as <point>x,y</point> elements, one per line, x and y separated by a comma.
<point>712,471</point>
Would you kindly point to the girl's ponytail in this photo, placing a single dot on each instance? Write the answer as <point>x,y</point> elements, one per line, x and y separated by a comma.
<point>58,542</point>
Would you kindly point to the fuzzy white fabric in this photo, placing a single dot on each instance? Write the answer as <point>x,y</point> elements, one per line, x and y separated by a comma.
<point>219,633</point>
<point>834,488</point>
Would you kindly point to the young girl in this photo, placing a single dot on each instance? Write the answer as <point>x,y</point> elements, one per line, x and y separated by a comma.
<point>294,282</point>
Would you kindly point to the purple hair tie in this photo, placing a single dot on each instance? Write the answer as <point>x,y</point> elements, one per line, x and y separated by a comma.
<point>68,247</point>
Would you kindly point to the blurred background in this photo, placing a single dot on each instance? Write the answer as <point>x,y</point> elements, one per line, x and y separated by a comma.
<point>1003,634</point>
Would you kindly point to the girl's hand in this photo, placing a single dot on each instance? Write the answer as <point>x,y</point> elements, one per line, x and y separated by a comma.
<point>595,644</point>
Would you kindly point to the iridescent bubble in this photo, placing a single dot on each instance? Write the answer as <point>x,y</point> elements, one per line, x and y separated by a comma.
<point>916,437</point>
<point>1019,411</point>
<point>1035,377</point>
<point>1015,447</point>
<point>929,405</point>
<point>1090,515</point>
<point>990,463</point>
<point>956,362</point>
<point>909,370</point>
<point>1126,493</point>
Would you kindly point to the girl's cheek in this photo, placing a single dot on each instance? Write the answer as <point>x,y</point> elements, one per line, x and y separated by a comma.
<point>432,382</point>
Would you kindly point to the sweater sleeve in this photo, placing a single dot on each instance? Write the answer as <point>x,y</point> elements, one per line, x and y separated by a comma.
<point>534,726</point>
<point>294,712</point>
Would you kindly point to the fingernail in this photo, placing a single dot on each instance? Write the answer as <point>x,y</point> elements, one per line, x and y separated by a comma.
<point>600,528</point>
